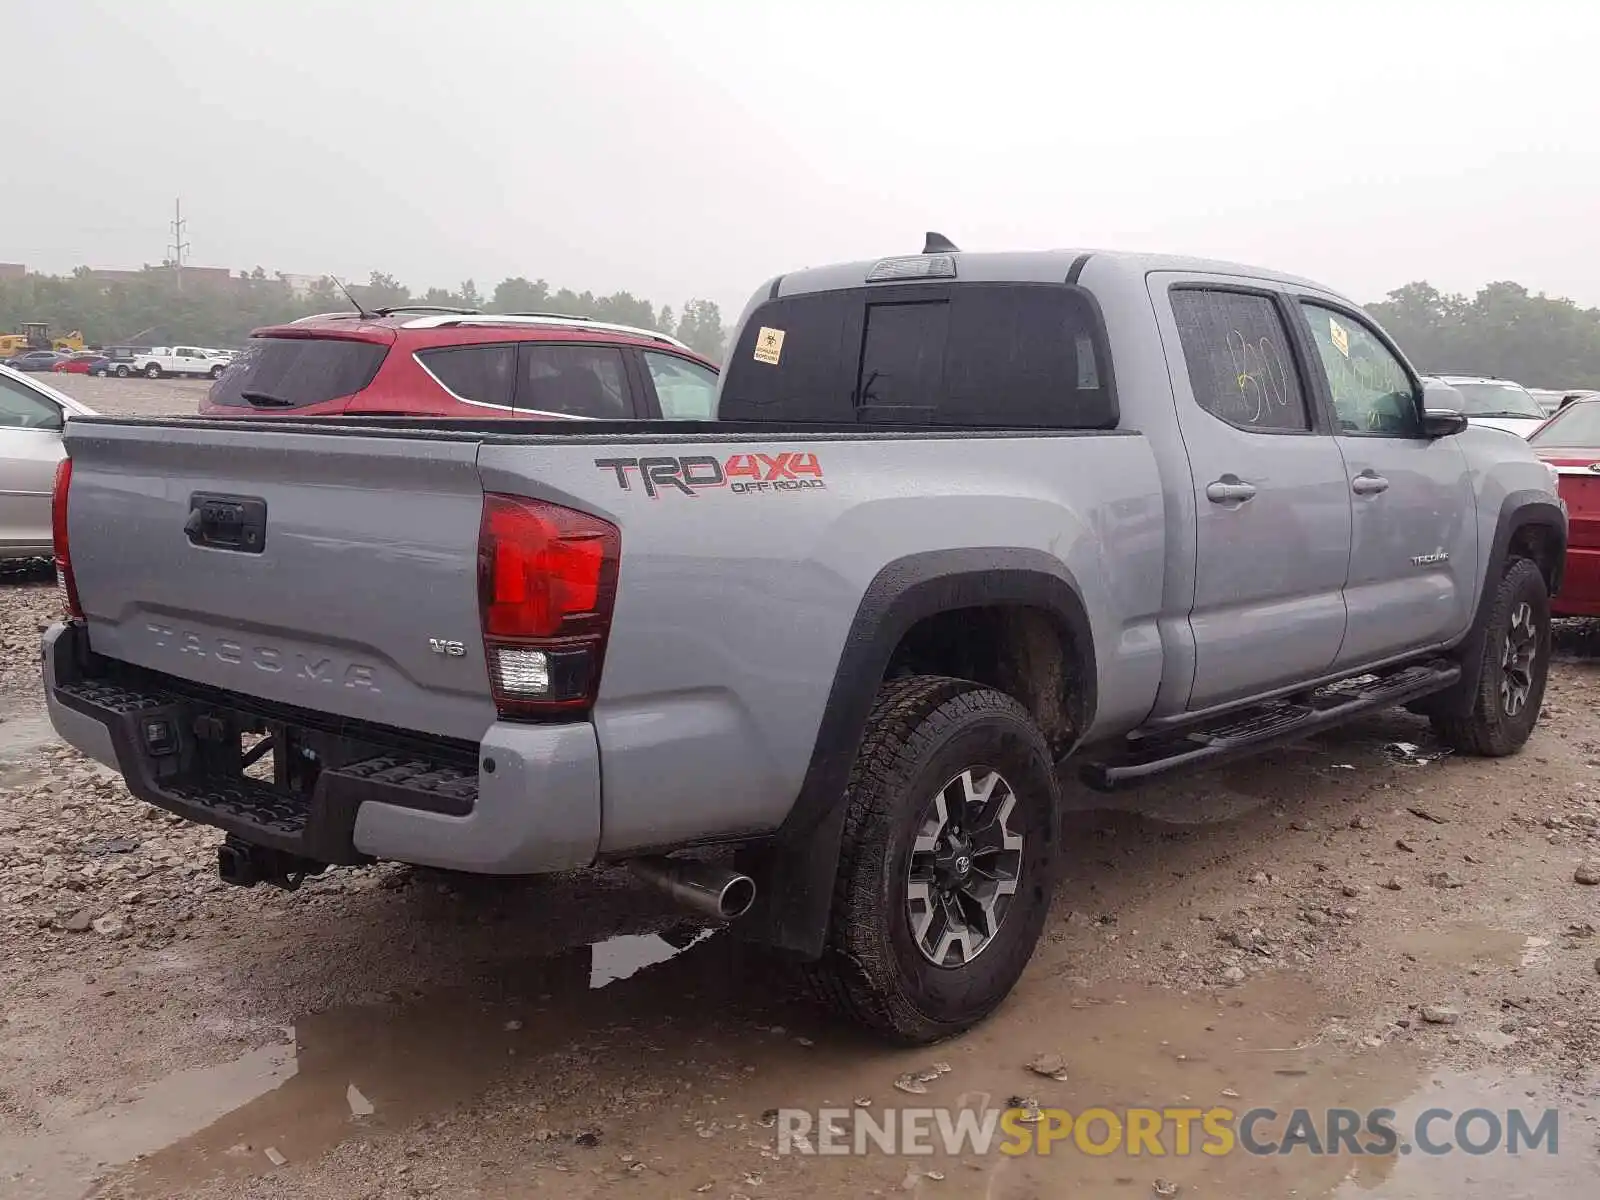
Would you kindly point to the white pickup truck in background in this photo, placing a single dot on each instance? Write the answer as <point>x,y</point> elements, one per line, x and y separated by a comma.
<point>159,361</point>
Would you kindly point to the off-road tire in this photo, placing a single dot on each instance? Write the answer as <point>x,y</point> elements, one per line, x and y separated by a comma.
<point>1488,731</point>
<point>922,732</point>
<point>152,372</point>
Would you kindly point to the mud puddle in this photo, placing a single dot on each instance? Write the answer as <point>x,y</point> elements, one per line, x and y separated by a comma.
<point>1463,943</point>
<point>344,1073</point>
<point>647,1062</point>
<point>1466,1124</point>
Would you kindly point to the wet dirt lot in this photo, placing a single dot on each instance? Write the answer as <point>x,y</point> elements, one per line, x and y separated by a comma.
<point>1344,925</point>
<point>1265,936</point>
<point>133,397</point>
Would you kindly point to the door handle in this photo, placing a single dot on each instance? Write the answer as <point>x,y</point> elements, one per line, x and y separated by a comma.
<point>1368,484</point>
<point>1230,489</point>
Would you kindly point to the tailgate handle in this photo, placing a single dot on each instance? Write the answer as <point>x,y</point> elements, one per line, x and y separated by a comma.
<point>236,523</point>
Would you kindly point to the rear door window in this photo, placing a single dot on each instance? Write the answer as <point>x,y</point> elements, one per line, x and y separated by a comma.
<point>1236,349</point>
<point>295,372</point>
<point>572,381</point>
<point>979,355</point>
<point>685,390</point>
<point>476,374</point>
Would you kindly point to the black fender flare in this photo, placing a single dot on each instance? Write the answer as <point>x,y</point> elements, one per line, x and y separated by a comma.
<point>1519,510</point>
<point>797,867</point>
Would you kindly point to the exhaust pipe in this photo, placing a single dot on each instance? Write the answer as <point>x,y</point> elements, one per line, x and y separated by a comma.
<point>710,890</point>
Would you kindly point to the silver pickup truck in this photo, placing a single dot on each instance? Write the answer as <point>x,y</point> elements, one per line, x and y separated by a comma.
<point>964,520</point>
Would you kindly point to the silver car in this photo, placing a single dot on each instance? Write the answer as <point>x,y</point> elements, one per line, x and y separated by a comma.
<point>32,416</point>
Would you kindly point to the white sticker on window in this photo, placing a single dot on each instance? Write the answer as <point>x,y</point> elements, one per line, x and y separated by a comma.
<point>1340,336</point>
<point>769,346</point>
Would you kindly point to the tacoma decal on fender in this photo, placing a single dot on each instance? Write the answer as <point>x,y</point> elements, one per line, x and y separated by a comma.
<point>785,471</point>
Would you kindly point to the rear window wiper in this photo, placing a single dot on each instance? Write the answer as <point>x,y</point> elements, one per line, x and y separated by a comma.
<point>265,400</point>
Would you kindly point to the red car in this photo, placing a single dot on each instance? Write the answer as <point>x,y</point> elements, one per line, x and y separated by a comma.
<point>83,364</point>
<point>1570,442</point>
<point>432,363</point>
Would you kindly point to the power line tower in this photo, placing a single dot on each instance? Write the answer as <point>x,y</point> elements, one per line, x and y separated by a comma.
<point>177,248</point>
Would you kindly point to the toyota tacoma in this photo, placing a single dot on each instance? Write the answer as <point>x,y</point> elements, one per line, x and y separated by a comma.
<point>967,528</point>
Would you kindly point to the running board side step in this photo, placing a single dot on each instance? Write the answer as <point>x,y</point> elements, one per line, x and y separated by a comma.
<point>1261,728</point>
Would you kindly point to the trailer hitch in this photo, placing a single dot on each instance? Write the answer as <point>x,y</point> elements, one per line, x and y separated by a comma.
<point>244,864</point>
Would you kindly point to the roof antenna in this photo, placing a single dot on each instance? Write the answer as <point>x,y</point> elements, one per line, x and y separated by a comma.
<point>356,304</point>
<point>937,243</point>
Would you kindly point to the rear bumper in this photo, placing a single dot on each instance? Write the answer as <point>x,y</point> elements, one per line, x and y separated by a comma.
<point>525,800</point>
<point>1580,585</point>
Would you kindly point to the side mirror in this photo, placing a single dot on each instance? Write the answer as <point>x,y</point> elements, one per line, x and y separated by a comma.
<point>1442,422</point>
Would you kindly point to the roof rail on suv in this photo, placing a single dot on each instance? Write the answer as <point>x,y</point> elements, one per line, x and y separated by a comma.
<point>392,309</point>
<point>448,320</point>
<point>345,314</point>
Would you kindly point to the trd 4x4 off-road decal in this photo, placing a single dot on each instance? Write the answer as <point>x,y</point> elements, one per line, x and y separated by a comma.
<point>785,471</point>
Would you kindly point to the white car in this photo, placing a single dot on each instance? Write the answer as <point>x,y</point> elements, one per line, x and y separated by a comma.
<point>32,416</point>
<point>1497,403</point>
<point>160,361</point>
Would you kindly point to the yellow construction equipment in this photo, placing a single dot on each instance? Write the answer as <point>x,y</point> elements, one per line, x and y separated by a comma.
<point>35,335</point>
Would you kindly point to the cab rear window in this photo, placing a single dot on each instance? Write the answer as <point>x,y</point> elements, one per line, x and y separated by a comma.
<point>278,372</point>
<point>971,355</point>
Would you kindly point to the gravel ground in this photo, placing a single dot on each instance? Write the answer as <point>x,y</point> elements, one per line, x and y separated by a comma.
<point>1344,923</point>
<point>134,397</point>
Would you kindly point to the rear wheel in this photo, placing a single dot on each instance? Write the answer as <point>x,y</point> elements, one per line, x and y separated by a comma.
<point>152,371</point>
<point>122,371</point>
<point>1516,662</point>
<point>948,861</point>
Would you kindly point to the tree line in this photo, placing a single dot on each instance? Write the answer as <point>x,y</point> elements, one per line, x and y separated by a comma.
<point>1503,330</point>
<point>151,308</point>
<point>1537,340</point>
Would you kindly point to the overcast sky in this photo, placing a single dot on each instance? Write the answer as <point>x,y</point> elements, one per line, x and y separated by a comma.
<point>694,148</point>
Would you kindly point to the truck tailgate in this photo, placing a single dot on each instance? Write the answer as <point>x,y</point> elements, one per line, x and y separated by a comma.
<point>364,559</point>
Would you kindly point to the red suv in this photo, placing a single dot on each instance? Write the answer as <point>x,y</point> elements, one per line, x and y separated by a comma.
<point>450,363</point>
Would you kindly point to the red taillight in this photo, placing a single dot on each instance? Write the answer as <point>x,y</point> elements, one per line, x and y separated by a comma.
<point>58,538</point>
<point>547,577</point>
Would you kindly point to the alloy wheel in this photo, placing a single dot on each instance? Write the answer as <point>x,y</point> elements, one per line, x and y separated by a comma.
<point>965,865</point>
<point>1516,660</point>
